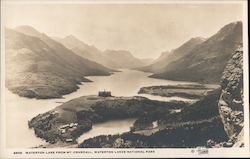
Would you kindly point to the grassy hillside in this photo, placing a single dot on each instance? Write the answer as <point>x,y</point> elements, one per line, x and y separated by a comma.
<point>39,67</point>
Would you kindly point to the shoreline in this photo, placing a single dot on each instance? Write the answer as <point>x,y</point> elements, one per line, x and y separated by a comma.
<point>189,91</point>
<point>86,111</point>
<point>93,109</point>
<point>32,107</point>
<point>31,94</point>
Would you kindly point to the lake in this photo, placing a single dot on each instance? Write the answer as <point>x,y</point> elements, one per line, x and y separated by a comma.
<point>108,128</point>
<point>125,83</point>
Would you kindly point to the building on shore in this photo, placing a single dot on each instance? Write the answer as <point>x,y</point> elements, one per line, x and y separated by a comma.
<point>104,93</point>
<point>69,140</point>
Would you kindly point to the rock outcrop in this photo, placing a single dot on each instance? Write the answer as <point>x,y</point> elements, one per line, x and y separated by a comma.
<point>231,99</point>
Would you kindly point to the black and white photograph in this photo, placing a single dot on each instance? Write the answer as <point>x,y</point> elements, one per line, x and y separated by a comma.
<point>142,78</point>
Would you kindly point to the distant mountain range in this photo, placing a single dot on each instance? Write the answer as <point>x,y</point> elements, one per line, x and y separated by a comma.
<point>199,60</point>
<point>116,59</point>
<point>39,67</point>
<point>123,59</point>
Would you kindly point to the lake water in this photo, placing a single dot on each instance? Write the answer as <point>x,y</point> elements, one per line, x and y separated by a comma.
<point>108,128</point>
<point>126,83</point>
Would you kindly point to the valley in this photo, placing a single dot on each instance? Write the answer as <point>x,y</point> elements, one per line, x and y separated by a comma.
<point>178,107</point>
<point>119,83</point>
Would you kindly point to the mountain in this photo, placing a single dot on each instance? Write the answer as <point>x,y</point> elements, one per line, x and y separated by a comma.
<point>39,67</point>
<point>147,61</point>
<point>168,57</point>
<point>162,56</point>
<point>71,42</point>
<point>83,50</point>
<point>123,59</point>
<point>206,61</point>
<point>110,58</point>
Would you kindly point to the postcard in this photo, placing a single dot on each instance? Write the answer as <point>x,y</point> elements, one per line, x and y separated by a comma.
<point>124,79</point>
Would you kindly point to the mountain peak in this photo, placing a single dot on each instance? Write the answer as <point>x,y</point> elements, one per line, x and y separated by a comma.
<point>235,23</point>
<point>71,37</point>
<point>198,38</point>
<point>71,41</point>
<point>28,30</point>
<point>190,44</point>
<point>229,27</point>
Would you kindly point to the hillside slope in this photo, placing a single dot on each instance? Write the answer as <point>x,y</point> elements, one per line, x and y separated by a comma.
<point>39,67</point>
<point>168,57</point>
<point>123,59</point>
<point>83,50</point>
<point>205,62</point>
<point>110,58</point>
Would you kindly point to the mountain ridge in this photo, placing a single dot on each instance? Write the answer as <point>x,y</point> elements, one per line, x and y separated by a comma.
<point>169,56</point>
<point>206,62</point>
<point>110,58</point>
<point>39,67</point>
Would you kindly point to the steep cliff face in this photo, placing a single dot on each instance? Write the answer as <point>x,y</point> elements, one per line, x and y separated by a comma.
<point>231,99</point>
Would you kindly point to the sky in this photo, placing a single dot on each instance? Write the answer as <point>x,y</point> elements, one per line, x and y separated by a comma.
<point>145,30</point>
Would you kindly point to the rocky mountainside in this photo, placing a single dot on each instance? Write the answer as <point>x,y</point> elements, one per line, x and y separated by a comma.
<point>231,99</point>
<point>168,57</point>
<point>206,61</point>
<point>39,67</point>
<point>109,58</point>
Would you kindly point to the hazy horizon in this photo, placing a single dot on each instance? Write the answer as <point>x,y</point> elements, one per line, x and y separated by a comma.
<point>145,30</point>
